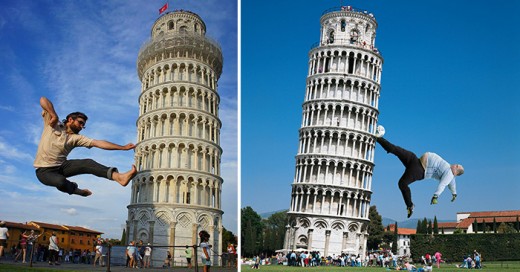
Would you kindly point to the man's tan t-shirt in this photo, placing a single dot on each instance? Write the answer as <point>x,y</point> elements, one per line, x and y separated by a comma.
<point>55,144</point>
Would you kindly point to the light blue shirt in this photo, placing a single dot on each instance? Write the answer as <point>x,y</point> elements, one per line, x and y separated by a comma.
<point>439,169</point>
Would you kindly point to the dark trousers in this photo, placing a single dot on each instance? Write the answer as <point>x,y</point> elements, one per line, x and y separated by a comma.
<point>57,176</point>
<point>53,256</point>
<point>413,168</point>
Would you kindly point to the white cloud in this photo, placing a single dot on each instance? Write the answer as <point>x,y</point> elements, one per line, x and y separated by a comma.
<point>87,63</point>
<point>7,108</point>
<point>8,150</point>
<point>70,211</point>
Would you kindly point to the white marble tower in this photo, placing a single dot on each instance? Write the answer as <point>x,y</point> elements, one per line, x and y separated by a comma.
<point>177,191</point>
<point>332,184</point>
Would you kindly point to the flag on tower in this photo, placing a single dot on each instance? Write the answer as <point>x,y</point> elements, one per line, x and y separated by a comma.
<point>165,7</point>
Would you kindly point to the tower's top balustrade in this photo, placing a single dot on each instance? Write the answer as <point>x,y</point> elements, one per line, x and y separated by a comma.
<point>179,30</point>
<point>348,26</point>
<point>352,10</point>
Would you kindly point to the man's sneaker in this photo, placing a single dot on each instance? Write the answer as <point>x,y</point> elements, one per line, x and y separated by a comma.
<point>410,210</point>
<point>380,131</point>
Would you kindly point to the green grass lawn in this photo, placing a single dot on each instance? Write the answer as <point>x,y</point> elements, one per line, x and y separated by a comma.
<point>488,267</point>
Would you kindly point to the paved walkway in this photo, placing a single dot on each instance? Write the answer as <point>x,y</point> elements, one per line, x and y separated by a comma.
<point>89,267</point>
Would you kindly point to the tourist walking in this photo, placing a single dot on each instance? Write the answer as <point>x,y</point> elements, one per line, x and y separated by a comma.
<point>188,253</point>
<point>4,235</point>
<point>31,241</point>
<point>99,253</point>
<point>206,247</point>
<point>438,258</point>
<point>147,255</point>
<point>23,247</point>
<point>53,249</point>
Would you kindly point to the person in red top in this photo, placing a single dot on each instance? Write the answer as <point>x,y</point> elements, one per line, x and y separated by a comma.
<point>232,255</point>
<point>23,245</point>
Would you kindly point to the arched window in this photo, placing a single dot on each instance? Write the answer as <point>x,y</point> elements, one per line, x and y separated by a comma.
<point>183,29</point>
<point>331,37</point>
<point>170,25</point>
<point>354,34</point>
<point>343,25</point>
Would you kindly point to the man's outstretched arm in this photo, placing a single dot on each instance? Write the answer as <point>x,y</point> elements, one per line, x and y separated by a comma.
<point>111,146</point>
<point>47,106</point>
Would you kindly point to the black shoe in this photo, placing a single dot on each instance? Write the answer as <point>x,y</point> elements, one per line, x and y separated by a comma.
<point>410,210</point>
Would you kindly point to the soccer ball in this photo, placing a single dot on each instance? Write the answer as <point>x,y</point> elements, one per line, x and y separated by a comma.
<point>380,131</point>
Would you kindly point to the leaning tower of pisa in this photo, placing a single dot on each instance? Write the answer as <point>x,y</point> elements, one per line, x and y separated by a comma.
<point>177,191</point>
<point>331,190</point>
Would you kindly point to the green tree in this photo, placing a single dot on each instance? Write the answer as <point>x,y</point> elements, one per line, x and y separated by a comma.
<point>494,225</point>
<point>458,231</point>
<point>395,239</point>
<point>123,237</point>
<point>228,238</point>
<point>115,242</point>
<point>251,236</point>
<point>435,226</point>
<point>430,227</point>
<point>505,228</point>
<point>475,225</point>
<point>424,226</point>
<point>418,229</point>
<point>274,232</point>
<point>375,228</point>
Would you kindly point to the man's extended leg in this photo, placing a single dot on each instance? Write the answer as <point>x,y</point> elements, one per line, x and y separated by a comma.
<point>413,172</point>
<point>405,180</point>
<point>53,176</point>
<point>405,156</point>
<point>89,166</point>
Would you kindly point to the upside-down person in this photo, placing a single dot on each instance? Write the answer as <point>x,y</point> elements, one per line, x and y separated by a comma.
<point>429,165</point>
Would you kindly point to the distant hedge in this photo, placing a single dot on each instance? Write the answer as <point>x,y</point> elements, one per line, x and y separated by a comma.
<point>454,247</point>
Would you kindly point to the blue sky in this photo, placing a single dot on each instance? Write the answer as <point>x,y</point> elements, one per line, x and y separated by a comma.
<point>82,56</point>
<point>449,85</point>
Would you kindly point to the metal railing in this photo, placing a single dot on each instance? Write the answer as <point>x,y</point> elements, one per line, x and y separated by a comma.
<point>181,38</point>
<point>110,259</point>
<point>346,8</point>
<point>347,42</point>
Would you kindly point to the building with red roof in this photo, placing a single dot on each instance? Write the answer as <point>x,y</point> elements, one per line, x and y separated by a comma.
<point>467,222</point>
<point>69,237</point>
<point>479,222</point>
<point>403,239</point>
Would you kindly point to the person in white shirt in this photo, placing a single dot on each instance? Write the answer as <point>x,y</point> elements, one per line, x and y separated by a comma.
<point>99,251</point>
<point>53,249</point>
<point>206,256</point>
<point>4,235</point>
<point>147,255</point>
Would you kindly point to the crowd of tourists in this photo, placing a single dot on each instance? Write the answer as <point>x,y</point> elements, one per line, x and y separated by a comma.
<point>384,259</point>
<point>27,250</point>
<point>471,261</point>
<point>315,258</point>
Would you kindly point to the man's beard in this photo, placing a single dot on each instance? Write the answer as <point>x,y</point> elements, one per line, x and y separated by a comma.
<point>74,129</point>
